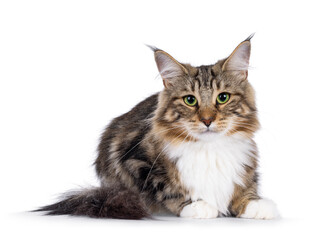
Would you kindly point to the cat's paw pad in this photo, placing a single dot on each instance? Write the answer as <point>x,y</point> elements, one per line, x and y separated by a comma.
<point>261,209</point>
<point>199,209</point>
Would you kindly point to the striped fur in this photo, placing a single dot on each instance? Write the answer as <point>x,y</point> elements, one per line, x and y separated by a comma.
<point>148,149</point>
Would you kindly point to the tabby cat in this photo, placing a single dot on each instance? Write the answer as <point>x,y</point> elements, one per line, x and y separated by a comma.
<point>187,150</point>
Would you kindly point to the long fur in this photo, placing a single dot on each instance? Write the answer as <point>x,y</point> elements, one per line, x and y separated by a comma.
<point>210,170</point>
<point>162,155</point>
<point>101,202</point>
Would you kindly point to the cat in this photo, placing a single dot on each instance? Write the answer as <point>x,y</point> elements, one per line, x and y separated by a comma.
<point>187,150</point>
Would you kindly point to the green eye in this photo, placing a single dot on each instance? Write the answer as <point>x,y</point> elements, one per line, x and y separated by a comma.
<point>223,98</point>
<point>190,100</point>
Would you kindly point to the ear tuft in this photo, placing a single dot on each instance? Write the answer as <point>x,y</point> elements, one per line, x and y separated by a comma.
<point>153,48</point>
<point>250,37</point>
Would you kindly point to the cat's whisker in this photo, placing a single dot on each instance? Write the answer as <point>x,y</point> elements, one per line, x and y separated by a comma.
<point>238,132</point>
<point>241,133</point>
<point>185,138</point>
<point>240,122</point>
<point>230,130</point>
<point>144,185</point>
<point>249,128</point>
<point>244,126</point>
<point>149,120</point>
<point>161,154</point>
<point>166,130</point>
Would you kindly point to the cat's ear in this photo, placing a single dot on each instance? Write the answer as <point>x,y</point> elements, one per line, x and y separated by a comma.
<point>238,61</point>
<point>169,68</point>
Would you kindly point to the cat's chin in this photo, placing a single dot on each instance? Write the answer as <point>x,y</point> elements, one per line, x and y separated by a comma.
<point>207,135</point>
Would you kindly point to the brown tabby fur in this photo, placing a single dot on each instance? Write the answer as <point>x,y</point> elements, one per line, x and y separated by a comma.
<point>132,148</point>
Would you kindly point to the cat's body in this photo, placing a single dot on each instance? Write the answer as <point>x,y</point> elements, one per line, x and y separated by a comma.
<point>187,150</point>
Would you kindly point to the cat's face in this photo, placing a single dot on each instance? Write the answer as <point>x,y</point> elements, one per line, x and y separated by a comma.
<point>201,103</point>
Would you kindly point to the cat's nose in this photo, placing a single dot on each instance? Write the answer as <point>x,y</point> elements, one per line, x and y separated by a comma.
<point>207,121</point>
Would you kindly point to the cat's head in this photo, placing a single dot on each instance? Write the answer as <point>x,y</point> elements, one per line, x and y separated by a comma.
<point>202,103</point>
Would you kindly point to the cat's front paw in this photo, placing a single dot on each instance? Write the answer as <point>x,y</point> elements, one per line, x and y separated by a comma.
<point>261,209</point>
<point>199,209</point>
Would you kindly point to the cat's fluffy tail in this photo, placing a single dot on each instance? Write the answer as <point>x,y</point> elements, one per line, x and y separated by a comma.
<point>100,202</point>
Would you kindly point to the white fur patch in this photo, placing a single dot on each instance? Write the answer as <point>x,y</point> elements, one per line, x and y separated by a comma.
<point>209,169</point>
<point>199,209</point>
<point>261,209</point>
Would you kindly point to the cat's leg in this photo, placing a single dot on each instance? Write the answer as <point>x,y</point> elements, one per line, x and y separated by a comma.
<point>199,209</point>
<point>177,202</point>
<point>188,209</point>
<point>176,199</point>
<point>261,209</point>
<point>247,204</point>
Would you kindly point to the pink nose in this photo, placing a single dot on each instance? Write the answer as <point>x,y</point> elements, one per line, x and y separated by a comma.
<point>207,121</point>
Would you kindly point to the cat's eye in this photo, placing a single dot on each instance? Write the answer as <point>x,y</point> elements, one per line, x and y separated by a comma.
<point>223,98</point>
<point>190,100</point>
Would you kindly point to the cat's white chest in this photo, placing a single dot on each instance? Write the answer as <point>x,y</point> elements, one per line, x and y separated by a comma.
<point>209,170</point>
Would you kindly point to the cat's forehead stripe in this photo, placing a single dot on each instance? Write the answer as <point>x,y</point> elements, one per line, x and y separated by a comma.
<point>205,76</point>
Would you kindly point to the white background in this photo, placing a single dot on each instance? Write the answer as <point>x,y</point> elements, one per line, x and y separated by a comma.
<point>68,67</point>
